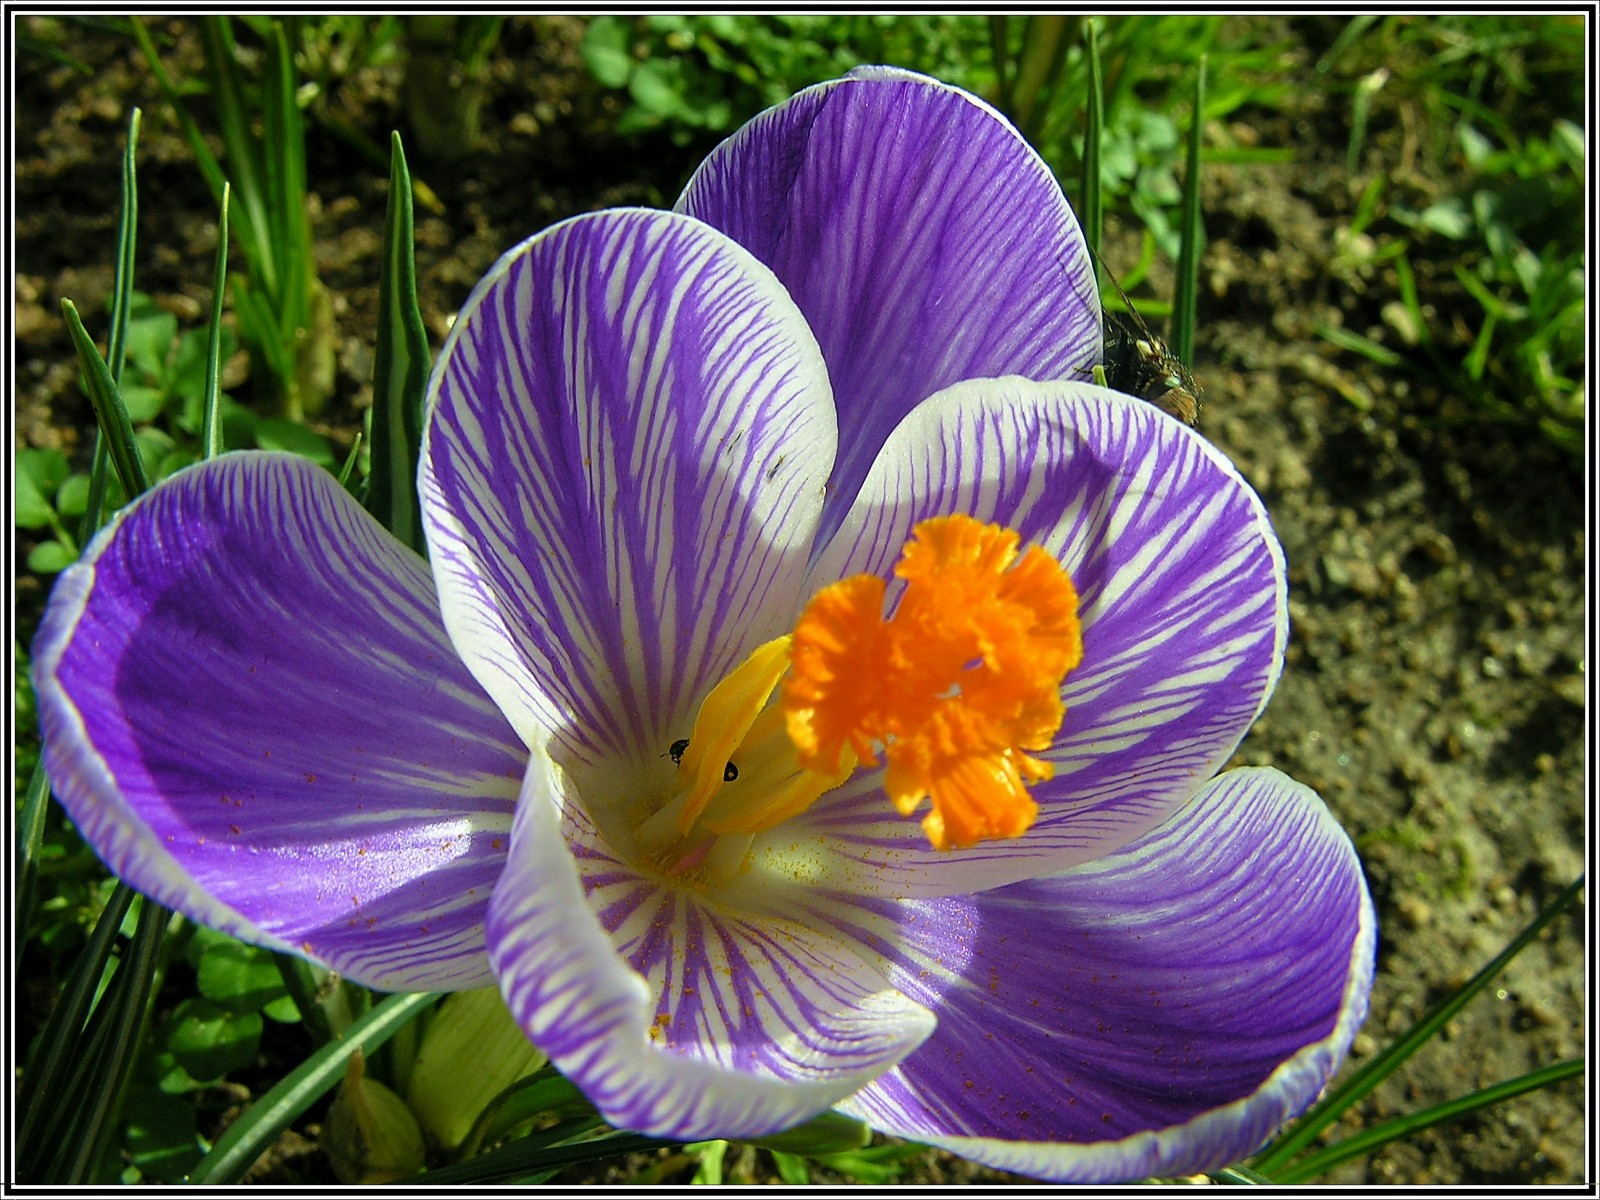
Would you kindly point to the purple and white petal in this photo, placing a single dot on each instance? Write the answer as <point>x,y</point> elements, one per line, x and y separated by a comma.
<point>923,238</point>
<point>1160,1012</point>
<point>629,431</point>
<point>680,1013</point>
<point>1182,594</point>
<point>252,713</point>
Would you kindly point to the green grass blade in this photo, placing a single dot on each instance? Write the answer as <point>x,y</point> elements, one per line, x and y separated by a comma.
<point>127,225</point>
<point>1000,54</point>
<point>30,841</point>
<point>240,148</point>
<point>519,1102</point>
<point>1093,203</point>
<point>1185,294</point>
<point>1239,1175</point>
<point>47,1072</point>
<point>1044,53</point>
<point>1348,36</point>
<point>1361,344</point>
<point>284,164</point>
<point>259,1125</point>
<point>210,409</point>
<point>108,407</point>
<point>536,1153</point>
<point>126,1005</point>
<point>400,374</point>
<point>349,467</point>
<point>94,509</point>
<point>244,223</point>
<point>1368,1140</point>
<point>1275,1160</point>
<point>36,799</point>
<point>116,340</point>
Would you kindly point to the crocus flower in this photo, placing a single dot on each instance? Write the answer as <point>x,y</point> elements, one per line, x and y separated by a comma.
<point>710,498</point>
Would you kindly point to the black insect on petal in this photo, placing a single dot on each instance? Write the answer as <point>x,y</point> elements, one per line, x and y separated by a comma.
<point>1140,363</point>
<point>678,748</point>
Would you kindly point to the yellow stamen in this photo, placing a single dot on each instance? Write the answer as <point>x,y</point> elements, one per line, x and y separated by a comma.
<point>725,718</point>
<point>954,689</point>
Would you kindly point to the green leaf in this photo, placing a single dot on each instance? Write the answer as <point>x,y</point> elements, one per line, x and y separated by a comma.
<point>150,338</point>
<point>830,1132</point>
<point>144,403</point>
<point>200,939</point>
<point>710,1154</point>
<point>162,1068</point>
<point>792,1168</point>
<point>161,1137</point>
<point>39,474</point>
<point>51,1065</point>
<point>72,500</point>
<point>657,87</point>
<point>538,1152</point>
<point>1193,236</point>
<point>173,461</point>
<point>400,369</point>
<point>51,558</point>
<point>1448,218</point>
<point>283,1010</point>
<point>155,445</point>
<point>605,51</point>
<point>109,410</point>
<point>208,1041</point>
<point>875,1164</point>
<point>240,978</point>
<point>278,433</point>
<point>189,363</point>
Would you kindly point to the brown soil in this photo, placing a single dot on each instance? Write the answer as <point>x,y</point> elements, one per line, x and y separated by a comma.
<point>1435,687</point>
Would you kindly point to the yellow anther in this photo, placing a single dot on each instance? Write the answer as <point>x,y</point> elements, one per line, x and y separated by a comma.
<point>725,718</point>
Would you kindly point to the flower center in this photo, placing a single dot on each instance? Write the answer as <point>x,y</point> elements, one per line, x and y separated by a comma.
<point>953,689</point>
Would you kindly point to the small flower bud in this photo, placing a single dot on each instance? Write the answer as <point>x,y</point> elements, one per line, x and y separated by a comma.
<point>370,1135</point>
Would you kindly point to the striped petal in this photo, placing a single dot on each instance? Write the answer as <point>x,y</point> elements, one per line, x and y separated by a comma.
<point>680,1013</point>
<point>629,430</point>
<point>924,240</point>
<point>1159,1012</point>
<point>252,713</point>
<point>1182,591</point>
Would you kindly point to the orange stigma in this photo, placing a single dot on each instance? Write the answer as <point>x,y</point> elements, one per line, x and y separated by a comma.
<point>954,689</point>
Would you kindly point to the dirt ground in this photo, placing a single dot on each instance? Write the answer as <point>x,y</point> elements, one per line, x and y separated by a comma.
<point>1435,688</point>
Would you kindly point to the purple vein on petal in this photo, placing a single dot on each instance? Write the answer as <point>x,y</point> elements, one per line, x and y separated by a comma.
<point>252,712</point>
<point>629,432</point>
